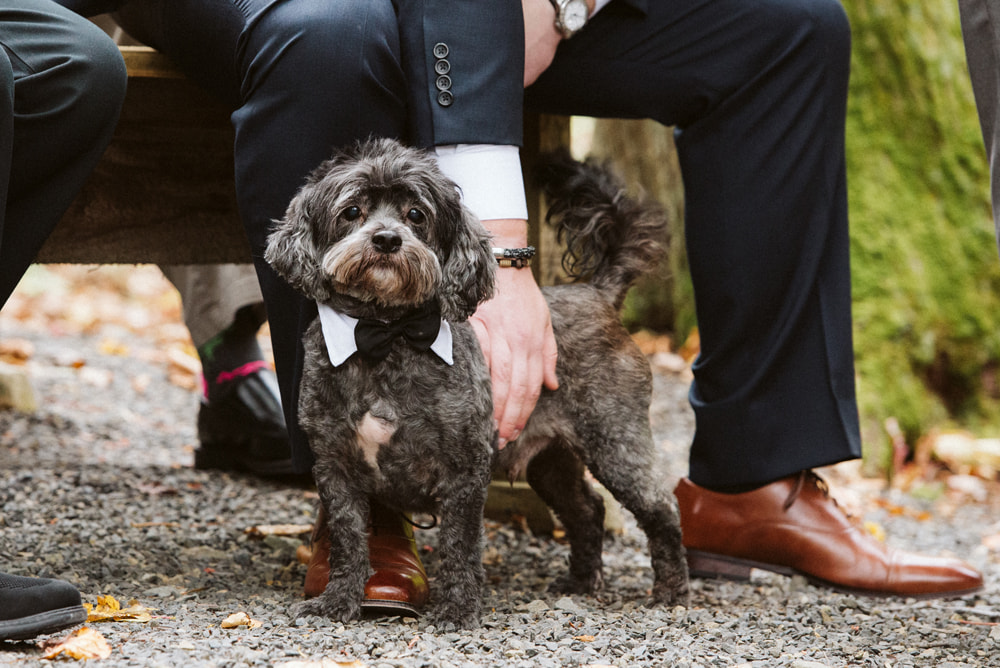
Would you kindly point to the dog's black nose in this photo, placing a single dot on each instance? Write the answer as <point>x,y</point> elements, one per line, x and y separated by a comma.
<point>387,241</point>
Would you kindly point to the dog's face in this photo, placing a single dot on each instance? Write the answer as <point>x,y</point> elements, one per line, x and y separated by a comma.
<point>380,226</point>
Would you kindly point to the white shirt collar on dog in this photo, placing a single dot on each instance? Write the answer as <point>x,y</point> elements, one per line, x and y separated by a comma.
<point>338,333</point>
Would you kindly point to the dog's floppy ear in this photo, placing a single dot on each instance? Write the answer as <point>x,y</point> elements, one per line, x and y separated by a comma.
<point>291,247</point>
<point>468,272</point>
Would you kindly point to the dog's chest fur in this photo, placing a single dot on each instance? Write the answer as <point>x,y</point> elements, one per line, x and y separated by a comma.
<point>404,427</point>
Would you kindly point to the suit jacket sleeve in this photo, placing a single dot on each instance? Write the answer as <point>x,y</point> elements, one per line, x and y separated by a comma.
<point>464,61</point>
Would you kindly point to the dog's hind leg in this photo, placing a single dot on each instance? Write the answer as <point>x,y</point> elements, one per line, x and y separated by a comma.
<point>626,463</point>
<point>458,590</point>
<point>557,476</point>
<point>347,519</point>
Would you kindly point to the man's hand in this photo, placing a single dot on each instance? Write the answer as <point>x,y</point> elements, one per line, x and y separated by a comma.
<point>540,38</point>
<point>515,332</point>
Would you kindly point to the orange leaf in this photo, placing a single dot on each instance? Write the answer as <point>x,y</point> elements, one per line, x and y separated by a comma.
<point>16,351</point>
<point>85,643</point>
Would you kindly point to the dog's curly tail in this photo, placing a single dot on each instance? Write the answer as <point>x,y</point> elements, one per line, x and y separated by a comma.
<point>610,237</point>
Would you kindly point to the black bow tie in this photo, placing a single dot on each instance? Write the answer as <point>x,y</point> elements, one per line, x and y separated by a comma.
<point>419,328</point>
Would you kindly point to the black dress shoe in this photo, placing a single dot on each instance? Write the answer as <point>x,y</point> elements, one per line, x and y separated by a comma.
<point>243,429</point>
<point>33,606</point>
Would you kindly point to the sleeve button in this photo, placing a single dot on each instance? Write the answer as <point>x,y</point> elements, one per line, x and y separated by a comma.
<point>440,50</point>
<point>445,98</point>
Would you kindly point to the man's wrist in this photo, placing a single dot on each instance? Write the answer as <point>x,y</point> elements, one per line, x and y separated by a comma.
<point>507,232</point>
<point>566,20</point>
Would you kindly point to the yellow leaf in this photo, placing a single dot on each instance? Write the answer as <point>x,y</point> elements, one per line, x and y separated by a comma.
<point>113,347</point>
<point>238,619</point>
<point>875,530</point>
<point>108,609</point>
<point>85,643</point>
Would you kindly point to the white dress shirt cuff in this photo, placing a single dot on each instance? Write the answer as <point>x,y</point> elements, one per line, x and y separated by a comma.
<point>489,177</point>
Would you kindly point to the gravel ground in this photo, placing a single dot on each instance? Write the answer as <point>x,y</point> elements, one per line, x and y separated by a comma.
<point>96,487</point>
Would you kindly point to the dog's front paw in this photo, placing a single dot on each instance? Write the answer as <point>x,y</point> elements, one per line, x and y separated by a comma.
<point>329,607</point>
<point>673,591</point>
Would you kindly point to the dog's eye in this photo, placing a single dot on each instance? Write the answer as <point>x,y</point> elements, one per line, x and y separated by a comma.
<point>415,215</point>
<point>352,213</point>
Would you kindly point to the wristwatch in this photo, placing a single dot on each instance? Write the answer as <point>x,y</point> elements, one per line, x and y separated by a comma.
<point>571,16</point>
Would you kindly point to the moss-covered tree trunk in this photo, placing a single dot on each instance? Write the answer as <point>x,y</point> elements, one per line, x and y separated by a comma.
<point>644,152</point>
<point>926,278</point>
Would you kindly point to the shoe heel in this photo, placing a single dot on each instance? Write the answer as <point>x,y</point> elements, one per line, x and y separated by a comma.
<point>708,565</point>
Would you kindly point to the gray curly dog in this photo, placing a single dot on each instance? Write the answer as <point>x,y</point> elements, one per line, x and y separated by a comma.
<point>379,234</point>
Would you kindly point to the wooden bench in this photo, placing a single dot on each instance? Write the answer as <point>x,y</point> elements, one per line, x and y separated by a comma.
<point>164,193</point>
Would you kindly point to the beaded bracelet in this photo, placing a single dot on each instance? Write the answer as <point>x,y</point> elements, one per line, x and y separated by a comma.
<point>517,258</point>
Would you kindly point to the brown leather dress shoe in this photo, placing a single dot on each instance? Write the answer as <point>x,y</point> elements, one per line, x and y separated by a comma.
<point>792,526</point>
<point>399,584</point>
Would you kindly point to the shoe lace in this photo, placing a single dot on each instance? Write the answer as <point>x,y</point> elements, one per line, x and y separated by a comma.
<point>819,483</point>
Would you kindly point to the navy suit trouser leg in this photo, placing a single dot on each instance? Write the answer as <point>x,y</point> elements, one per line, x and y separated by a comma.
<point>981,35</point>
<point>62,82</point>
<point>757,91</point>
<point>303,77</point>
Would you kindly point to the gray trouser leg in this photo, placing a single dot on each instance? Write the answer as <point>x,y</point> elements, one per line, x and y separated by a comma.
<point>211,294</point>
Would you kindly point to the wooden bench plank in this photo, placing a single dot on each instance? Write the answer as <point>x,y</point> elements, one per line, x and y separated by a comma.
<point>163,192</point>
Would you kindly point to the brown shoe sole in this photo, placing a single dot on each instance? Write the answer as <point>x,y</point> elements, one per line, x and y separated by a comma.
<point>386,607</point>
<point>709,565</point>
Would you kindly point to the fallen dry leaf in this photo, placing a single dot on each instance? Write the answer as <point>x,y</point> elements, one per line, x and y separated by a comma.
<point>897,510</point>
<point>324,663</point>
<point>238,619</point>
<point>96,377</point>
<point>148,525</point>
<point>16,351</point>
<point>875,530</point>
<point>141,383</point>
<point>183,370</point>
<point>114,347</point>
<point>264,530</point>
<point>963,453</point>
<point>585,638</point>
<point>108,609</point>
<point>651,343</point>
<point>692,345</point>
<point>992,542</point>
<point>86,643</point>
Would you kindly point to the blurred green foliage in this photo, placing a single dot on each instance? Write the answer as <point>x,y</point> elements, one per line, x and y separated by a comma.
<point>926,278</point>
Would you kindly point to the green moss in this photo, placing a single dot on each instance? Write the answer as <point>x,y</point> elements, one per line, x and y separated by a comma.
<point>926,279</point>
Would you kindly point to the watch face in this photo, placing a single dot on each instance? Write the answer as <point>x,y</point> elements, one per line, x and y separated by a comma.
<point>575,15</point>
